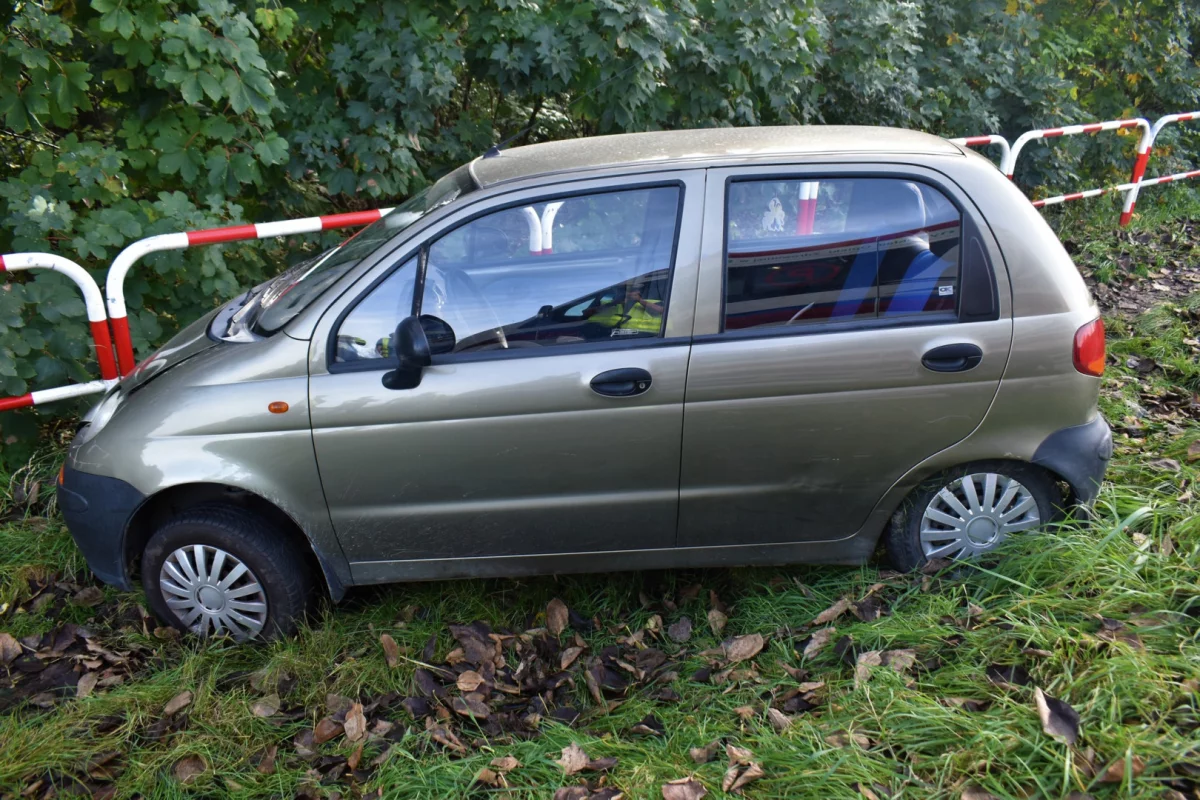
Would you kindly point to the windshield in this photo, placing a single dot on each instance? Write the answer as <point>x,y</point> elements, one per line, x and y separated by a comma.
<point>291,292</point>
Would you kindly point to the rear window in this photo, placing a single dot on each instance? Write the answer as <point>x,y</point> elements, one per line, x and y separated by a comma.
<point>813,252</point>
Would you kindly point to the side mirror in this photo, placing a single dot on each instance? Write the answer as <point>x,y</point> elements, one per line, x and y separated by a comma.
<point>412,350</point>
<point>439,333</point>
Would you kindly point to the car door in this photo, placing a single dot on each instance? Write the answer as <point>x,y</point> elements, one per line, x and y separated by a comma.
<point>848,326</point>
<point>553,423</point>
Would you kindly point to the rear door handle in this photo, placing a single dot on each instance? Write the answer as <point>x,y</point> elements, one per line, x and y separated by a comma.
<point>952,358</point>
<point>621,382</point>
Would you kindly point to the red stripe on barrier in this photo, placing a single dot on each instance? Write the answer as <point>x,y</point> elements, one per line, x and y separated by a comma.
<point>1050,134</point>
<point>1039,203</point>
<point>1126,216</point>
<point>104,351</point>
<point>1130,123</point>
<point>2,267</point>
<point>348,219</point>
<point>9,403</point>
<point>120,332</point>
<point>1092,128</point>
<point>234,233</point>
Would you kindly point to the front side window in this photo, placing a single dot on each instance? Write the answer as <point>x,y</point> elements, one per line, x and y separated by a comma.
<point>802,253</point>
<point>589,268</point>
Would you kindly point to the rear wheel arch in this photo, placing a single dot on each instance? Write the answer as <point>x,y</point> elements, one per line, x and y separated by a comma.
<point>169,503</point>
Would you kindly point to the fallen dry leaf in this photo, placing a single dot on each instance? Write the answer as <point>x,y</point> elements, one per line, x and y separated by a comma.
<point>900,660</point>
<point>1058,718</point>
<point>683,789</point>
<point>975,793</point>
<point>177,703</point>
<point>741,648</point>
<point>266,707</point>
<point>833,612</point>
<point>87,682</point>
<point>862,667</point>
<point>819,639</point>
<point>573,759</point>
<point>327,729</point>
<point>266,764</point>
<point>681,630</point>
<point>356,723</point>
<point>506,763</point>
<point>89,597</point>
<point>356,757</point>
<point>702,755</point>
<point>751,774</point>
<point>469,681</point>
<point>1193,451</point>
<point>391,651</point>
<point>1115,773</point>
<point>779,720</point>
<point>738,756</point>
<point>568,657</point>
<point>556,616</point>
<point>189,769</point>
<point>486,777</point>
<point>716,621</point>
<point>846,739</point>
<point>10,648</point>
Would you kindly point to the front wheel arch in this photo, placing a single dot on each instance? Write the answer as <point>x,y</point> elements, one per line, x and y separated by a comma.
<point>170,502</point>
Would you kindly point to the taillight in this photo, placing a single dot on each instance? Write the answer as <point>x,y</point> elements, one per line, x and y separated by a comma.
<point>1089,348</point>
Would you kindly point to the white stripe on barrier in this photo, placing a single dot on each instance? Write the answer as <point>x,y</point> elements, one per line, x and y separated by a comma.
<point>1139,168</point>
<point>548,215</point>
<point>114,284</point>
<point>66,392</point>
<point>535,229</point>
<point>92,299</point>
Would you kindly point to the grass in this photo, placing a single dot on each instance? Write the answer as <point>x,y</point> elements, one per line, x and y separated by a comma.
<point>1044,605</point>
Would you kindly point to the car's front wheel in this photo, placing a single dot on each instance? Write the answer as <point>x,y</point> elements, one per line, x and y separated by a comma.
<point>221,570</point>
<point>970,511</point>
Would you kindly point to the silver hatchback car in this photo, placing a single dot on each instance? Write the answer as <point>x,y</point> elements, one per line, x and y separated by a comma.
<point>678,349</point>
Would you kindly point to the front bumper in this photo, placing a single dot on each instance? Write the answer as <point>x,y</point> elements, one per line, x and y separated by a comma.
<point>1079,455</point>
<point>97,511</point>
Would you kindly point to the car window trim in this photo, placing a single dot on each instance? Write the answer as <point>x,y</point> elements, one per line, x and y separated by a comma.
<point>368,365</point>
<point>844,173</point>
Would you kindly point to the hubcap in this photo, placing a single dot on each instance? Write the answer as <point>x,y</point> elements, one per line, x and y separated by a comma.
<point>975,513</point>
<point>213,592</point>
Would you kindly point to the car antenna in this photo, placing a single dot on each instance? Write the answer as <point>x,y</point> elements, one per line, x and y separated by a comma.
<point>495,149</point>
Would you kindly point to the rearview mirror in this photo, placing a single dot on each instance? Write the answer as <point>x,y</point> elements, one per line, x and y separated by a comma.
<point>439,333</point>
<point>412,351</point>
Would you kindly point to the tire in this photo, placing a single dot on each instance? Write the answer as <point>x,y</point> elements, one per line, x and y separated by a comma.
<point>903,539</point>
<point>200,604</point>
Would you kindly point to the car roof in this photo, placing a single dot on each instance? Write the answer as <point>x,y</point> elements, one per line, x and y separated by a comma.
<point>665,148</point>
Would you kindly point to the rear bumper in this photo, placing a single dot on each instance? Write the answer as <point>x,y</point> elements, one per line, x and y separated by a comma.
<point>97,510</point>
<point>1079,455</point>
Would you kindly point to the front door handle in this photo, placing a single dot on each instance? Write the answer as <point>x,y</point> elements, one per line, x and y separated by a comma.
<point>621,382</point>
<point>952,358</point>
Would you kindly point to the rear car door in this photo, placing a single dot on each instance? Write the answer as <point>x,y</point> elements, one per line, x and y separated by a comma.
<point>848,326</point>
<point>553,423</point>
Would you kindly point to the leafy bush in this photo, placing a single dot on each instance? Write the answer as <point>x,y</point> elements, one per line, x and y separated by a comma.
<point>127,118</point>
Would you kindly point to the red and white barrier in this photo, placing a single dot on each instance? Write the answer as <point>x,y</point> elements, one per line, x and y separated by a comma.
<point>1139,168</point>
<point>1009,165</point>
<point>1124,187</point>
<point>114,286</point>
<point>59,393</point>
<point>92,300</point>
<point>984,141</point>
<point>806,211</point>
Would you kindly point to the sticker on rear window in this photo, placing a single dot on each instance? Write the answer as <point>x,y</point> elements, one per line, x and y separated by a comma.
<point>945,291</point>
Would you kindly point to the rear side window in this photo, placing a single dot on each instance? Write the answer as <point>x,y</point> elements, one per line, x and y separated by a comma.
<point>804,253</point>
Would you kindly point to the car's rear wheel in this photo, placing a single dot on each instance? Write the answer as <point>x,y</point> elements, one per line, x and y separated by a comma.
<point>969,511</point>
<point>222,570</point>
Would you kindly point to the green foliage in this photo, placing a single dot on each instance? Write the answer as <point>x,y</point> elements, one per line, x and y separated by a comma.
<point>128,118</point>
